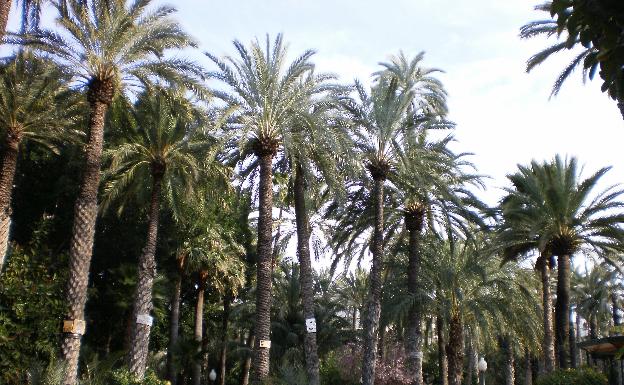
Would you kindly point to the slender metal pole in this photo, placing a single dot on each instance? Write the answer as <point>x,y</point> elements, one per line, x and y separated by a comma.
<point>481,378</point>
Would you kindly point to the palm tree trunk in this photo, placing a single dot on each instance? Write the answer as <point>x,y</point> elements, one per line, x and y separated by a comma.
<point>7,175</point>
<point>562,310</point>
<point>528,368</point>
<point>81,245</point>
<point>371,321</point>
<point>5,9</point>
<point>305,276</point>
<point>224,339</point>
<point>615,309</point>
<point>455,350</point>
<point>414,225</point>
<point>548,343</point>
<point>247,364</point>
<point>472,368</point>
<point>264,270</point>
<point>442,358</point>
<point>174,328</point>
<point>141,318</point>
<point>199,326</point>
<point>510,373</point>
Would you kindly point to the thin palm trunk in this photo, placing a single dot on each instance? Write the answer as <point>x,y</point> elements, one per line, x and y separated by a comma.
<point>247,364</point>
<point>5,9</point>
<point>7,175</point>
<point>455,350</point>
<point>199,326</point>
<point>615,309</point>
<point>548,343</point>
<point>142,308</point>
<point>528,368</point>
<point>224,339</point>
<point>472,368</point>
<point>305,277</point>
<point>174,329</point>
<point>510,373</point>
<point>442,359</point>
<point>414,225</point>
<point>264,269</point>
<point>371,321</point>
<point>85,212</point>
<point>562,310</point>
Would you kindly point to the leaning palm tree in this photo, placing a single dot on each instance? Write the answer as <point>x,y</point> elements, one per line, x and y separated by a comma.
<point>563,214</point>
<point>36,105</point>
<point>109,47</point>
<point>266,100</point>
<point>164,155</point>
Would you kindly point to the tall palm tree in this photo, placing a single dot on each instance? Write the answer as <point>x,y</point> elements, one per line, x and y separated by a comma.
<point>564,214</point>
<point>164,155</point>
<point>266,100</point>
<point>36,105</point>
<point>109,47</point>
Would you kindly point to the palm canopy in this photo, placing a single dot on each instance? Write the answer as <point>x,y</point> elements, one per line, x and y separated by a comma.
<point>158,138</point>
<point>551,209</point>
<point>116,44</point>
<point>35,102</point>
<point>592,293</point>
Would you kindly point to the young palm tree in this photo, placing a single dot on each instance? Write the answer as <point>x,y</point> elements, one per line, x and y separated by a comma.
<point>563,214</point>
<point>109,46</point>
<point>267,100</point>
<point>164,155</point>
<point>36,105</point>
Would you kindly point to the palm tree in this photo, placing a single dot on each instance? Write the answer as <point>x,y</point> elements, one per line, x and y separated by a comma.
<point>36,105</point>
<point>592,294</point>
<point>266,100</point>
<point>562,214</point>
<point>160,149</point>
<point>109,47</point>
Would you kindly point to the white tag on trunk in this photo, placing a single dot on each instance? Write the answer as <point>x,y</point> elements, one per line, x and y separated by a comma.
<point>311,325</point>
<point>145,319</point>
<point>265,344</point>
<point>76,326</point>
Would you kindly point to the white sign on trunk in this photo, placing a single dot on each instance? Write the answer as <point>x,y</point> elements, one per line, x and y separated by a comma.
<point>311,325</point>
<point>145,319</point>
<point>265,344</point>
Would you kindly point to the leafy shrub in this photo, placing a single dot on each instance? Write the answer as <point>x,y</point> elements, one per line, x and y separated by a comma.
<point>124,377</point>
<point>584,376</point>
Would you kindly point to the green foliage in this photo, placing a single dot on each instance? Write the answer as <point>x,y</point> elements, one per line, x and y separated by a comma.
<point>31,303</point>
<point>124,377</point>
<point>585,376</point>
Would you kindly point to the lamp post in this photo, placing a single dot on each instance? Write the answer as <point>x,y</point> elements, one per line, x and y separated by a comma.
<point>212,376</point>
<point>482,368</point>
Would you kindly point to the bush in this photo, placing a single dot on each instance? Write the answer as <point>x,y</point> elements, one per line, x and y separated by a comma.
<point>123,377</point>
<point>585,376</point>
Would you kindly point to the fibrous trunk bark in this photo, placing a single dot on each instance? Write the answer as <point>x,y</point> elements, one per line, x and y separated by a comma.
<point>510,374</point>
<point>7,175</point>
<point>473,360</point>
<point>5,9</point>
<point>455,350</point>
<point>224,338</point>
<point>247,364</point>
<point>548,343</point>
<point>414,223</point>
<point>371,321</point>
<point>83,230</point>
<point>442,358</point>
<point>142,308</point>
<point>174,329</point>
<point>199,326</point>
<point>305,277</point>
<point>562,310</point>
<point>264,271</point>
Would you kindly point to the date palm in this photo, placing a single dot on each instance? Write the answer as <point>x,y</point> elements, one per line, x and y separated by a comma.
<point>561,214</point>
<point>36,105</point>
<point>267,98</point>
<point>166,156</point>
<point>109,47</point>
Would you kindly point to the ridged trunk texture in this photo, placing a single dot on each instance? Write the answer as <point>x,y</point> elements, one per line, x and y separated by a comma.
<point>224,339</point>
<point>305,275</point>
<point>199,327</point>
<point>455,350</point>
<point>174,329</point>
<point>414,340</point>
<point>139,343</point>
<point>510,373</point>
<point>83,230</point>
<point>442,358</point>
<point>264,269</point>
<point>562,311</point>
<point>5,9</point>
<point>7,175</point>
<point>247,364</point>
<point>371,321</point>
<point>548,343</point>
